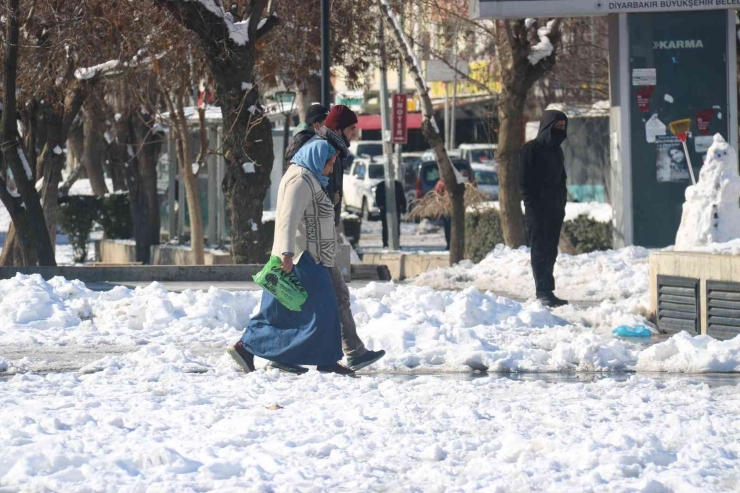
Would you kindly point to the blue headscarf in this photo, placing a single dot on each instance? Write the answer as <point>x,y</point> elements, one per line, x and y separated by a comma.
<point>313,156</point>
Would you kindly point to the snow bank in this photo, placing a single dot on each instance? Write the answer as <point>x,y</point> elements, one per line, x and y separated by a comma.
<point>711,213</point>
<point>421,329</point>
<point>594,276</point>
<point>171,431</point>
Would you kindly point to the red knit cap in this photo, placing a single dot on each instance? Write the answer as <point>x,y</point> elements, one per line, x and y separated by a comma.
<point>340,117</point>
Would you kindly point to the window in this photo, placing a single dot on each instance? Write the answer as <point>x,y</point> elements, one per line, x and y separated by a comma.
<point>360,171</point>
<point>486,177</point>
<point>370,149</point>
<point>481,156</point>
<point>377,171</point>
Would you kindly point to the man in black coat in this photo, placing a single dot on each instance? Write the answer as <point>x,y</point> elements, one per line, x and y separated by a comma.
<point>315,116</point>
<point>542,184</point>
<point>400,207</point>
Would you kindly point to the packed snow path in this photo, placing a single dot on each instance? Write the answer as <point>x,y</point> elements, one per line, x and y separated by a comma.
<point>143,424</point>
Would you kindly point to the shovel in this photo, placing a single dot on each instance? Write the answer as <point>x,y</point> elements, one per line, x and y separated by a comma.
<point>680,129</point>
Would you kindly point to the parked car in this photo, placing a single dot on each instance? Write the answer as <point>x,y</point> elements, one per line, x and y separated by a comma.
<point>486,178</point>
<point>479,153</point>
<point>359,187</point>
<point>366,148</point>
<point>428,175</point>
<point>428,155</point>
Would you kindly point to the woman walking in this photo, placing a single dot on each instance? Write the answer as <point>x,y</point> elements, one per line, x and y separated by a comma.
<point>305,240</point>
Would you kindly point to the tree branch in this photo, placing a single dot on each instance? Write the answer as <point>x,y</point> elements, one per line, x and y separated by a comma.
<point>271,22</point>
<point>258,6</point>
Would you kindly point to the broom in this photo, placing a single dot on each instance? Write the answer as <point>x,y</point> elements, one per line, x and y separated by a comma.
<point>680,129</point>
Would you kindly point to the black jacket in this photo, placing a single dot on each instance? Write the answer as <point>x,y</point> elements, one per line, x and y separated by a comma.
<point>542,178</point>
<point>400,197</point>
<point>296,142</point>
<point>339,143</point>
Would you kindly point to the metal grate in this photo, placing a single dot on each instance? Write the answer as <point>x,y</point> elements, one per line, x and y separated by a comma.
<point>678,304</point>
<point>723,309</point>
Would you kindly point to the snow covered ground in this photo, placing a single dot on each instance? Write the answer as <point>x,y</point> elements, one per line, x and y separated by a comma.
<point>166,410</point>
<point>145,424</point>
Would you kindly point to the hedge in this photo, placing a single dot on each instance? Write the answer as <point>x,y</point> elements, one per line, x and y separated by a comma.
<point>483,232</point>
<point>77,215</point>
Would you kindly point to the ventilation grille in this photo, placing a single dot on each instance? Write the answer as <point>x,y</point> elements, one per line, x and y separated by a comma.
<point>678,304</point>
<point>723,310</point>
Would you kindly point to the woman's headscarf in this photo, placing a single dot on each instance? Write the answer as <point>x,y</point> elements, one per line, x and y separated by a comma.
<point>313,156</point>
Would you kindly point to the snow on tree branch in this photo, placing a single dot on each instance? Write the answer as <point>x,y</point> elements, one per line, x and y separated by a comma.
<point>238,31</point>
<point>409,50</point>
<point>544,48</point>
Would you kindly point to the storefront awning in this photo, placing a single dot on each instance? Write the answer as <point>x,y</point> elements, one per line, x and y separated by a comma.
<point>372,122</point>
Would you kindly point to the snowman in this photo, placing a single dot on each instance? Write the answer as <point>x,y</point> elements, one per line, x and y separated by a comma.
<point>711,213</point>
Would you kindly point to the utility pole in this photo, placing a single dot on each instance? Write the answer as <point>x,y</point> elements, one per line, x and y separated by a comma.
<point>447,116</point>
<point>325,61</point>
<point>399,147</point>
<point>390,184</point>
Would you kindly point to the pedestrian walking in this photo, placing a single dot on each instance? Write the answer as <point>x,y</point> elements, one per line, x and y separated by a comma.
<point>542,182</point>
<point>401,206</point>
<point>339,129</point>
<point>305,241</point>
<point>305,131</point>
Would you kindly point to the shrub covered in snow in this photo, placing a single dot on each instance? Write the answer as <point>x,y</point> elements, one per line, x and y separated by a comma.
<point>115,216</point>
<point>77,215</point>
<point>588,235</point>
<point>483,232</point>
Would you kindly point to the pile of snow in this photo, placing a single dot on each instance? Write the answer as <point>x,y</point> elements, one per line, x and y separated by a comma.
<point>420,328</point>
<point>124,429</point>
<point>596,276</point>
<point>711,213</point>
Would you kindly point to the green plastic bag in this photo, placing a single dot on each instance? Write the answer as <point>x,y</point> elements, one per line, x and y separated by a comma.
<point>286,288</point>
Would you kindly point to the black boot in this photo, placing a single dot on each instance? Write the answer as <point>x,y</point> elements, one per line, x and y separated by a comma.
<point>550,300</point>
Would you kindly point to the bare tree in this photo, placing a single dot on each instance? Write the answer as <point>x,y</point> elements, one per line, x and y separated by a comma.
<point>23,204</point>
<point>231,54</point>
<point>455,188</point>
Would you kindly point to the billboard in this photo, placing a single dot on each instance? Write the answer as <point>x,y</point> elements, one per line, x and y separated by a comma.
<point>510,9</point>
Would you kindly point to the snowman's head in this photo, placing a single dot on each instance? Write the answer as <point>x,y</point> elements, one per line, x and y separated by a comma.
<point>722,154</point>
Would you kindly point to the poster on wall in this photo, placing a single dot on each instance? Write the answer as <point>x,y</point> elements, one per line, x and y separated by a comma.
<point>670,160</point>
<point>702,143</point>
<point>654,128</point>
<point>644,77</point>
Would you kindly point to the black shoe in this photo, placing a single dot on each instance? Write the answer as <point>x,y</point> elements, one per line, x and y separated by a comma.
<point>367,359</point>
<point>243,358</point>
<point>286,368</point>
<point>550,300</point>
<point>338,369</point>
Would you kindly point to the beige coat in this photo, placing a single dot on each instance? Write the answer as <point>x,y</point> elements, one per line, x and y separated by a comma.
<point>305,218</point>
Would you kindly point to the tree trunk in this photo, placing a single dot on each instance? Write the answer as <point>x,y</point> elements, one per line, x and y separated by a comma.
<point>510,140</point>
<point>93,155</point>
<point>308,91</point>
<point>24,206</point>
<point>76,147</point>
<point>150,147</point>
<point>247,143</point>
<point>52,162</point>
<point>434,139</point>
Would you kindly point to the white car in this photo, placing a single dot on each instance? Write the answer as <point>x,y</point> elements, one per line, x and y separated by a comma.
<point>429,154</point>
<point>366,148</point>
<point>486,178</point>
<point>359,187</point>
<point>479,153</point>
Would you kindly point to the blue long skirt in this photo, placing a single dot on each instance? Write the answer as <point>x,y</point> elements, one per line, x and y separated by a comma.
<point>309,337</point>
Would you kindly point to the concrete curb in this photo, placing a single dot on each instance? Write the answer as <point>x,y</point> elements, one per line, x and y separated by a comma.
<point>142,273</point>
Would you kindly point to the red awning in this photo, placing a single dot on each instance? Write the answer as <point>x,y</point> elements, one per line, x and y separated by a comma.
<point>372,122</point>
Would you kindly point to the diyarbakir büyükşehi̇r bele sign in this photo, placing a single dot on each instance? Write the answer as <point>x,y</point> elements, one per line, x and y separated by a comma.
<point>564,8</point>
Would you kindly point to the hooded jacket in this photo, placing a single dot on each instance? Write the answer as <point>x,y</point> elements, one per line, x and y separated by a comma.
<point>542,177</point>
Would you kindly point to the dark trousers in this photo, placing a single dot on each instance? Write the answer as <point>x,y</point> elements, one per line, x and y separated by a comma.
<point>384,221</point>
<point>543,227</point>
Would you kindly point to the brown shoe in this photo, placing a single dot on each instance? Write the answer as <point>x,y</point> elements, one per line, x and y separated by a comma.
<point>243,358</point>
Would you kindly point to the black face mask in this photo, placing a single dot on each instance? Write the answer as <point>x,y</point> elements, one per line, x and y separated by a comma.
<point>557,136</point>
